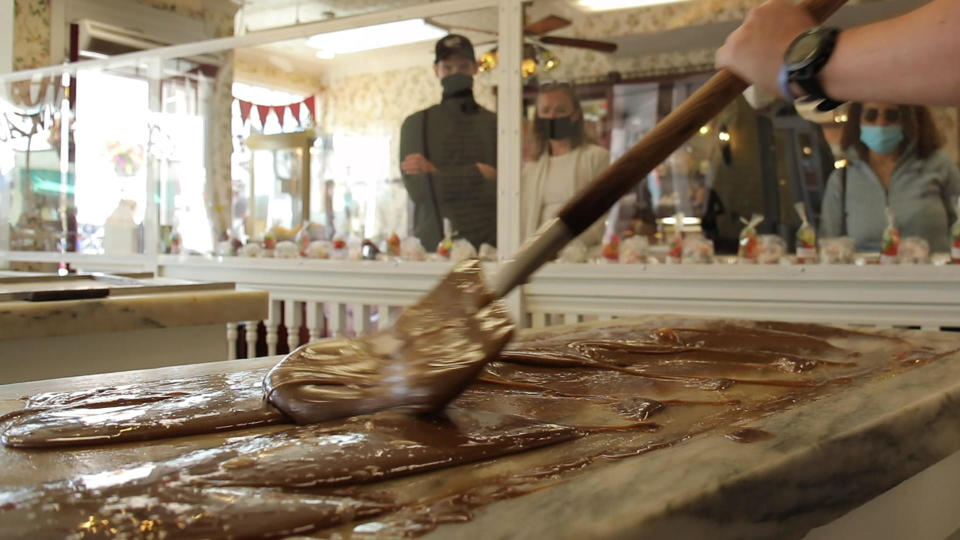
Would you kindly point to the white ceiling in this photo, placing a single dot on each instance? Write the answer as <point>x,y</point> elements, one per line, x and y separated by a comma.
<point>479,26</point>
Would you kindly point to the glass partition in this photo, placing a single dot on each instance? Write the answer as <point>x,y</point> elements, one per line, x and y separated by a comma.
<point>354,142</point>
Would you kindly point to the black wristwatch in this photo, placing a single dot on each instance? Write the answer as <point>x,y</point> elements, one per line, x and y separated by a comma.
<point>802,62</point>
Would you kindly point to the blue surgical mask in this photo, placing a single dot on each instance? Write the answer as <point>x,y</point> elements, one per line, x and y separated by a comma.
<point>881,139</point>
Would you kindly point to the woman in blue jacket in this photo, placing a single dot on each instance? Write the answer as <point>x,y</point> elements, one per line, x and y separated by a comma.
<point>893,159</point>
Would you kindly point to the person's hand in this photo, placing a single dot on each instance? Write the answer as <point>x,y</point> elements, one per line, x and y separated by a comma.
<point>755,50</point>
<point>487,171</point>
<point>417,164</point>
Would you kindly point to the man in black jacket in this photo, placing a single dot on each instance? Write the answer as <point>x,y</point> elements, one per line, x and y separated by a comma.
<point>448,154</point>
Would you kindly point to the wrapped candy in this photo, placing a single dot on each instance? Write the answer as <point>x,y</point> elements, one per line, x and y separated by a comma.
<point>286,250</point>
<point>488,253</point>
<point>339,249</point>
<point>806,238</point>
<point>633,250</point>
<point>302,239</point>
<point>914,250</point>
<point>446,244</point>
<point>675,244</point>
<point>771,249</point>
<point>611,248</point>
<point>836,250</point>
<point>319,249</point>
<point>697,250</point>
<point>890,244</point>
<point>462,250</point>
<point>175,242</point>
<point>252,249</point>
<point>269,242</point>
<point>412,250</point>
<point>574,252</point>
<point>393,245</point>
<point>955,238</point>
<point>749,249</point>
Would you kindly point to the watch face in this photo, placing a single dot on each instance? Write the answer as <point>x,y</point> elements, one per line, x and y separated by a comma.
<point>804,49</point>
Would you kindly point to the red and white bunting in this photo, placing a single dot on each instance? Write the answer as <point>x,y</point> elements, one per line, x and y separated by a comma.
<point>295,111</point>
<point>280,110</point>
<point>245,107</point>
<point>263,111</point>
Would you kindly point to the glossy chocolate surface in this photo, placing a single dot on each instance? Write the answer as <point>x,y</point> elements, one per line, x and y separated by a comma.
<point>553,406</point>
<point>431,353</point>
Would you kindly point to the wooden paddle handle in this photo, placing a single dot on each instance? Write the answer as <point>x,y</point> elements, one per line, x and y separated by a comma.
<point>597,197</point>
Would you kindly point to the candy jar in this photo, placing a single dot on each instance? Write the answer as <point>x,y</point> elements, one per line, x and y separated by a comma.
<point>633,250</point>
<point>914,250</point>
<point>411,249</point>
<point>771,249</point>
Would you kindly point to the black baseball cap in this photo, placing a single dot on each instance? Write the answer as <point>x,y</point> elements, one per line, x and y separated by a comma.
<point>454,44</point>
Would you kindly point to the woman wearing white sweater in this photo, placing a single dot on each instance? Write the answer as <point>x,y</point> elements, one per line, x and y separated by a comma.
<point>563,161</point>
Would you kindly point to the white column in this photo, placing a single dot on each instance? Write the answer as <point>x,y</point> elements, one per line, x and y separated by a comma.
<point>361,319</point>
<point>272,322</point>
<point>383,317</point>
<point>338,318</point>
<point>231,341</point>
<point>509,115</point>
<point>315,320</point>
<point>571,318</point>
<point>293,320</point>
<point>251,327</point>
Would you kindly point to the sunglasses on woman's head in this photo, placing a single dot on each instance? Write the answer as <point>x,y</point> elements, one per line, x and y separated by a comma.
<point>553,83</point>
<point>890,115</point>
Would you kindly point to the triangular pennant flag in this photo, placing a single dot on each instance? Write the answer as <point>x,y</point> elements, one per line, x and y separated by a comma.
<point>295,111</point>
<point>312,107</point>
<point>263,111</point>
<point>245,110</point>
<point>280,110</point>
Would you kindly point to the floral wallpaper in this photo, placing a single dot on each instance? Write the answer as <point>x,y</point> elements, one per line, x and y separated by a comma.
<point>252,68</point>
<point>31,23</point>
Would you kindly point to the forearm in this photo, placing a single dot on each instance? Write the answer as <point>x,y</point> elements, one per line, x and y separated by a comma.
<point>914,58</point>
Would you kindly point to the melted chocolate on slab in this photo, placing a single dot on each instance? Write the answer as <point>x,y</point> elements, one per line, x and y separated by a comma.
<point>434,350</point>
<point>574,400</point>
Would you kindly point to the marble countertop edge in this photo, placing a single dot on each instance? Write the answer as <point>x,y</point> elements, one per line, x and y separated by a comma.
<point>26,320</point>
<point>826,458</point>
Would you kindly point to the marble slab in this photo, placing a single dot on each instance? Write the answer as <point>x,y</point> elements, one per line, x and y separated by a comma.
<point>826,458</point>
<point>27,320</point>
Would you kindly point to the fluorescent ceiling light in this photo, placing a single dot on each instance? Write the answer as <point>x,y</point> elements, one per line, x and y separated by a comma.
<point>607,5</point>
<point>687,220</point>
<point>374,37</point>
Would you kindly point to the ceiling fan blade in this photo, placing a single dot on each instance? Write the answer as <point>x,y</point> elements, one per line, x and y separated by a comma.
<point>452,27</point>
<point>546,24</point>
<point>602,46</point>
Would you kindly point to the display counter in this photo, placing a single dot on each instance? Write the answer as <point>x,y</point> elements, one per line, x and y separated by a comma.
<point>53,326</point>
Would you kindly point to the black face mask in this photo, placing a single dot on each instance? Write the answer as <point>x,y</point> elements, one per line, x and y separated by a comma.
<point>457,85</point>
<point>556,128</point>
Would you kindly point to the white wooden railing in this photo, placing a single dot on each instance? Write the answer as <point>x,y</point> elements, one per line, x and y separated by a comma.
<point>345,298</point>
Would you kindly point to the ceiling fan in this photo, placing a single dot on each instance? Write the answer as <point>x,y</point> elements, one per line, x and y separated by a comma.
<point>535,37</point>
